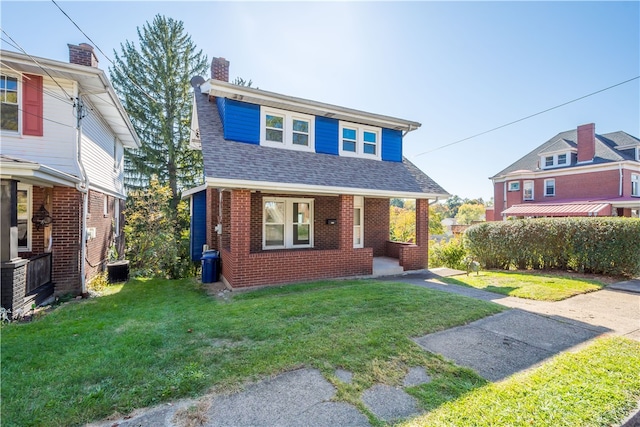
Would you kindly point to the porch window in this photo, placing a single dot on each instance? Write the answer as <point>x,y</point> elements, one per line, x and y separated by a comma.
<point>287,223</point>
<point>635,185</point>
<point>24,217</point>
<point>549,187</point>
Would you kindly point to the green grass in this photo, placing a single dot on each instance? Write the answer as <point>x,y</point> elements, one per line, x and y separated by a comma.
<point>536,286</point>
<point>598,386</point>
<point>157,340</point>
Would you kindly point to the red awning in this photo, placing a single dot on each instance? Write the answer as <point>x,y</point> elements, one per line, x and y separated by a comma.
<point>569,209</point>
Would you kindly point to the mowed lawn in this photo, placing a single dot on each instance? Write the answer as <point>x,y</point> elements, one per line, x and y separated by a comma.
<point>597,386</point>
<point>152,341</point>
<point>531,285</point>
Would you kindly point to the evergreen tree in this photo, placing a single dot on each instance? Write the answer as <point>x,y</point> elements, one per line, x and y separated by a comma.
<point>153,81</point>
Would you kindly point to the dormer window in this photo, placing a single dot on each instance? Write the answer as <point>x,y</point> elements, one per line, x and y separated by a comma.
<point>555,160</point>
<point>286,129</point>
<point>359,140</point>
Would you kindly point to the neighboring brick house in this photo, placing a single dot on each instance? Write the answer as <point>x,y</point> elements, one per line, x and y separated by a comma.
<point>575,173</point>
<point>297,189</point>
<point>54,166</point>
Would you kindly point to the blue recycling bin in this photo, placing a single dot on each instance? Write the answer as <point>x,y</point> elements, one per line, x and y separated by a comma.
<point>210,266</point>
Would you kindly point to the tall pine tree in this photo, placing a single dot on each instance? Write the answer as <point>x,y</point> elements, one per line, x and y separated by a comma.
<point>152,80</point>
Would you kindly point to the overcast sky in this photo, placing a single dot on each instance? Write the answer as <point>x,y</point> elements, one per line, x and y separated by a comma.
<point>459,68</point>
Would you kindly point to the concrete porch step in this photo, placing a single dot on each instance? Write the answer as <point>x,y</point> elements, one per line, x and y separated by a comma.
<point>386,266</point>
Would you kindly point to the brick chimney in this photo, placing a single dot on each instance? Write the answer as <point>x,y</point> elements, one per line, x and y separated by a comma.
<point>586,142</point>
<point>82,54</point>
<point>220,69</point>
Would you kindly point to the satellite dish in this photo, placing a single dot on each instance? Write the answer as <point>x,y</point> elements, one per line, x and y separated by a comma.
<point>196,81</point>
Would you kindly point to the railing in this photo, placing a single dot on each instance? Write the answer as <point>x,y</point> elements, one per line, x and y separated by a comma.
<point>38,272</point>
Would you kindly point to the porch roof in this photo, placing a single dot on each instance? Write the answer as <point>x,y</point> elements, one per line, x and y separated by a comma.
<point>230,164</point>
<point>561,210</point>
<point>34,173</point>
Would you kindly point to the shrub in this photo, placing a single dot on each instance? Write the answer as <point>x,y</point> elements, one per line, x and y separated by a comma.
<point>608,246</point>
<point>448,254</point>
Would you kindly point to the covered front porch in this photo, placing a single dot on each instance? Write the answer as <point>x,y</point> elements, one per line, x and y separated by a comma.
<point>267,238</point>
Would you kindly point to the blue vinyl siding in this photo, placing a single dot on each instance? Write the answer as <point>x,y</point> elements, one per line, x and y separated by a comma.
<point>391,145</point>
<point>241,121</point>
<point>326,135</point>
<point>198,224</point>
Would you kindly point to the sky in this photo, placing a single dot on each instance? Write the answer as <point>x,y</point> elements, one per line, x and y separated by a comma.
<point>458,68</point>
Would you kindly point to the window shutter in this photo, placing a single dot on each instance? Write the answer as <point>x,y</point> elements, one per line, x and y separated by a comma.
<point>32,105</point>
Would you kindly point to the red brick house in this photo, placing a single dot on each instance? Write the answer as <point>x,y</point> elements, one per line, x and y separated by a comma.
<point>575,173</point>
<point>297,189</point>
<point>63,137</point>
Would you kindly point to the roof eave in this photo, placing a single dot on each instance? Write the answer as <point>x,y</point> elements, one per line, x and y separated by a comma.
<point>257,96</point>
<point>280,187</point>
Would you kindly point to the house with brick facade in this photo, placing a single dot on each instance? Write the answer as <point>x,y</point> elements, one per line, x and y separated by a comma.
<point>61,162</point>
<point>575,173</point>
<point>299,190</point>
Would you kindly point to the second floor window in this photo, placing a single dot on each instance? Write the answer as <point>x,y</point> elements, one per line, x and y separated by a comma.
<point>527,193</point>
<point>9,99</point>
<point>635,185</point>
<point>359,141</point>
<point>286,129</point>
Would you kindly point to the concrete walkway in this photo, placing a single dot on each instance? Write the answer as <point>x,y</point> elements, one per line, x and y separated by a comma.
<point>496,347</point>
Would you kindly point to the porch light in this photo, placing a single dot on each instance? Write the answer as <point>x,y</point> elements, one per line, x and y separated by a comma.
<point>41,218</point>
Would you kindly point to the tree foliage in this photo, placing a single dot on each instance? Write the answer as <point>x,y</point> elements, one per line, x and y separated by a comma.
<point>152,79</point>
<point>468,213</point>
<point>152,246</point>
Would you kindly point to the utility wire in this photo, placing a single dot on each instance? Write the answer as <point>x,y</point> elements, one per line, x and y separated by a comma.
<point>37,63</point>
<point>527,117</point>
<point>44,118</point>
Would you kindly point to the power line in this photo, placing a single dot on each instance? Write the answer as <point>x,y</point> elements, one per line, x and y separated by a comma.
<point>44,118</point>
<point>38,88</point>
<point>37,63</point>
<point>527,117</point>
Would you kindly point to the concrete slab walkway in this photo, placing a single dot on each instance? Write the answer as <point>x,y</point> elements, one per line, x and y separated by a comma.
<point>496,347</point>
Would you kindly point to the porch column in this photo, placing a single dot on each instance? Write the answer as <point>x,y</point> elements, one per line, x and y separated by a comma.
<point>13,268</point>
<point>422,229</point>
<point>9,219</point>
<point>240,222</point>
<point>213,219</point>
<point>345,221</point>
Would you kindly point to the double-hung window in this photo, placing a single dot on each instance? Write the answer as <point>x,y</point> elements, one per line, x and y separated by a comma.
<point>287,223</point>
<point>635,185</point>
<point>286,129</point>
<point>527,190</point>
<point>550,187</point>
<point>359,141</point>
<point>9,103</point>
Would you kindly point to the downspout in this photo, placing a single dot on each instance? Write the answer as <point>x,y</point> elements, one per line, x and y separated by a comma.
<point>620,170</point>
<point>434,201</point>
<point>82,187</point>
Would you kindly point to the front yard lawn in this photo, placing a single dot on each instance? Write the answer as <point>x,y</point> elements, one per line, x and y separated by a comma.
<point>152,341</point>
<point>531,285</point>
<point>598,386</point>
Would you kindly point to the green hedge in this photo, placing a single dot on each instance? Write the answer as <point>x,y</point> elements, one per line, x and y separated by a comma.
<point>606,245</point>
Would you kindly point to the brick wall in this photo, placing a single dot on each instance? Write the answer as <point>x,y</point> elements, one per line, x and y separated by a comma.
<point>66,213</point>
<point>242,268</point>
<point>415,257</point>
<point>376,225</point>
<point>213,197</point>
<point>98,248</point>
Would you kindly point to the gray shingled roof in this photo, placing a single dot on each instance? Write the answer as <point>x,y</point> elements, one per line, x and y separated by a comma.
<point>240,161</point>
<point>606,150</point>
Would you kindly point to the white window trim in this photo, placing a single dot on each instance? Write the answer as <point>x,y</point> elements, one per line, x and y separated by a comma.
<point>287,130</point>
<point>19,93</point>
<point>105,205</point>
<point>288,222</point>
<point>358,203</point>
<point>524,190</point>
<point>638,154</point>
<point>545,187</point>
<point>635,178</point>
<point>514,186</point>
<point>556,163</point>
<point>29,190</point>
<point>360,130</point>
